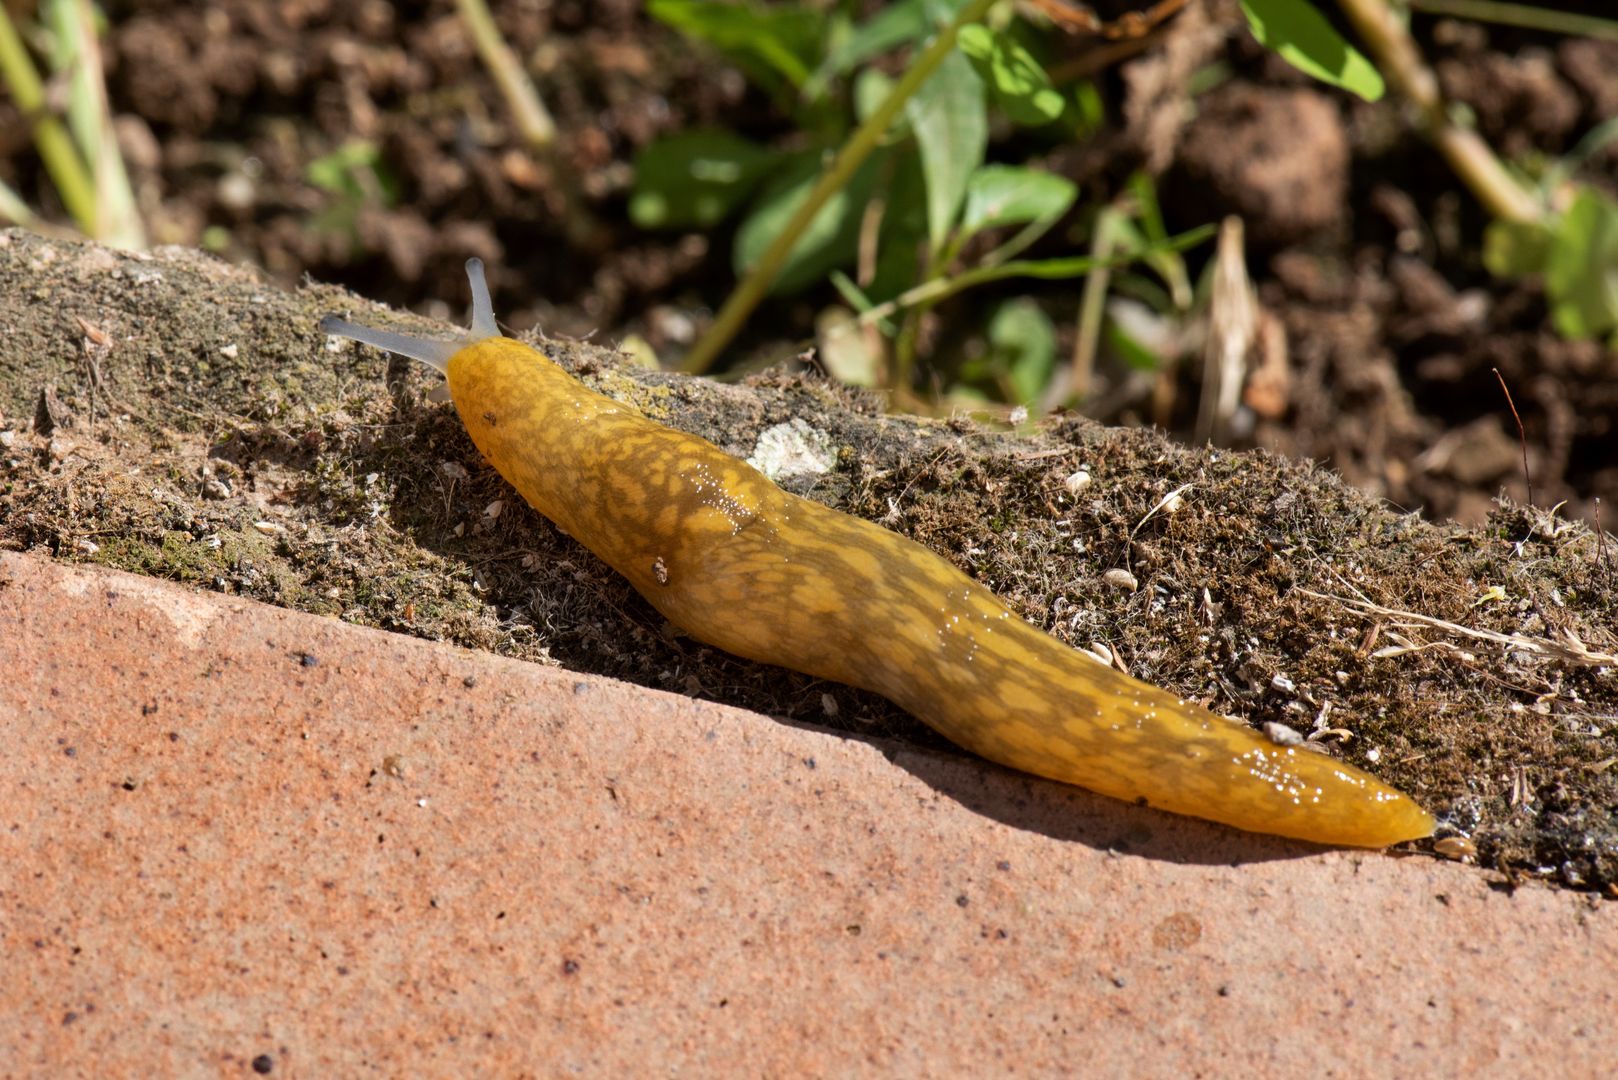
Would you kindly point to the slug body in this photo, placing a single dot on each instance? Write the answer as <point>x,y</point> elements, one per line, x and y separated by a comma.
<point>735,561</point>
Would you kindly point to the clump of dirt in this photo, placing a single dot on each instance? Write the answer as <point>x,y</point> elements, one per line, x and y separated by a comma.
<point>217,438</point>
<point>1277,157</point>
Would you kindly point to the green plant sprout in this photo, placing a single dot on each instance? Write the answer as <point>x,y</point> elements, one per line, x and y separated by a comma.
<point>773,260</point>
<point>355,176</point>
<point>912,175</point>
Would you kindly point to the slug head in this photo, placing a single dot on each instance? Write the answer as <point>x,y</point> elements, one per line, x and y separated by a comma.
<point>429,351</point>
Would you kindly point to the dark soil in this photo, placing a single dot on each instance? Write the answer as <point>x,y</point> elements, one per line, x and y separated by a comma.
<point>1362,246</point>
<point>1361,242</point>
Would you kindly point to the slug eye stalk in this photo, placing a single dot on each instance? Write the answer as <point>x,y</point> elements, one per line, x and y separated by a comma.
<point>429,351</point>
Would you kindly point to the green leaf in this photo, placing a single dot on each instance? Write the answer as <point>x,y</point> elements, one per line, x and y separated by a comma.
<point>902,242</point>
<point>1014,195</point>
<point>890,27</point>
<point>356,176</point>
<point>695,179</point>
<point>1581,275</point>
<point>893,25</point>
<point>1169,266</point>
<point>1022,342</point>
<point>1020,85</point>
<point>952,133</point>
<point>1303,38</point>
<point>1516,249</point>
<point>848,354</point>
<point>788,39</point>
<point>871,89</point>
<point>1135,355</point>
<point>832,235</point>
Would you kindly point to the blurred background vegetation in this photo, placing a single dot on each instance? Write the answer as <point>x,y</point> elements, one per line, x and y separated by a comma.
<point>1335,229</point>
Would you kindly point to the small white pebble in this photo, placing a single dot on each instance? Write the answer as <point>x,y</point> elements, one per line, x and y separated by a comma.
<point>1077,482</point>
<point>1019,415</point>
<point>1121,579</point>
<point>492,511</point>
<point>1282,683</point>
<point>452,469</point>
<point>268,528</point>
<point>828,704</point>
<point>230,351</point>
<point>89,547</point>
<point>1373,755</point>
<point>1281,735</point>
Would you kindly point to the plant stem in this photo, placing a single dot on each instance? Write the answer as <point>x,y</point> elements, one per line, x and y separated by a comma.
<point>753,288</point>
<point>1092,306</point>
<point>1397,55</point>
<point>13,209</point>
<point>56,148</point>
<point>533,121</point>
<point>118,220</point>
<point>528,112</point>
<point>1525,15</point>
<point>940,289</point>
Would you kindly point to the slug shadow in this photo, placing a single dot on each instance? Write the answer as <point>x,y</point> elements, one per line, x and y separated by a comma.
<point>1073,815</point>
<point>580,635</point>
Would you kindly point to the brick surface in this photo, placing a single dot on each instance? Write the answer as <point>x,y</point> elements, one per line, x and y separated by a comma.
<point>229,831</point>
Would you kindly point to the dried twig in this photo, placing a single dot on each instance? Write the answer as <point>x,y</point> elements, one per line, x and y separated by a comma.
<point>1601,538</point>
<point>1522,438</point>
<point>1569,650</point>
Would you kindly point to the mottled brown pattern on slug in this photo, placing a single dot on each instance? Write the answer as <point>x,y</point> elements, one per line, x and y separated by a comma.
<point>739,563</point>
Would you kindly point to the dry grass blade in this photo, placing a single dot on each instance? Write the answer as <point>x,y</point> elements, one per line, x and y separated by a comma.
<point>1232,329</point>
<point>528,110</point>
<point>73,25</point>
<point>61,158</point>
<point>1568,650</point>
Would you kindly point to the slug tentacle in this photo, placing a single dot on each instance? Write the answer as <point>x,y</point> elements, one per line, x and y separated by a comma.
<point>433,353</point>
<point>737,562</point>
<point>430,351</point>
<point>483,324</point>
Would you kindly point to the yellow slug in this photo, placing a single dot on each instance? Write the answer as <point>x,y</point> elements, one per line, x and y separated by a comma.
<point>736,562</point>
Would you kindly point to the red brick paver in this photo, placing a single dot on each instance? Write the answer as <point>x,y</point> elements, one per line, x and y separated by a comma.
<point>229,831</point>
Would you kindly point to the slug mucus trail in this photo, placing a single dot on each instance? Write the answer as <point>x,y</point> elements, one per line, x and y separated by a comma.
<point>736,562</point>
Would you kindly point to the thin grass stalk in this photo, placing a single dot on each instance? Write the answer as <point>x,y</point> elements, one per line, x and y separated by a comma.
<point>67,170</point>
<point>728,323</point>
